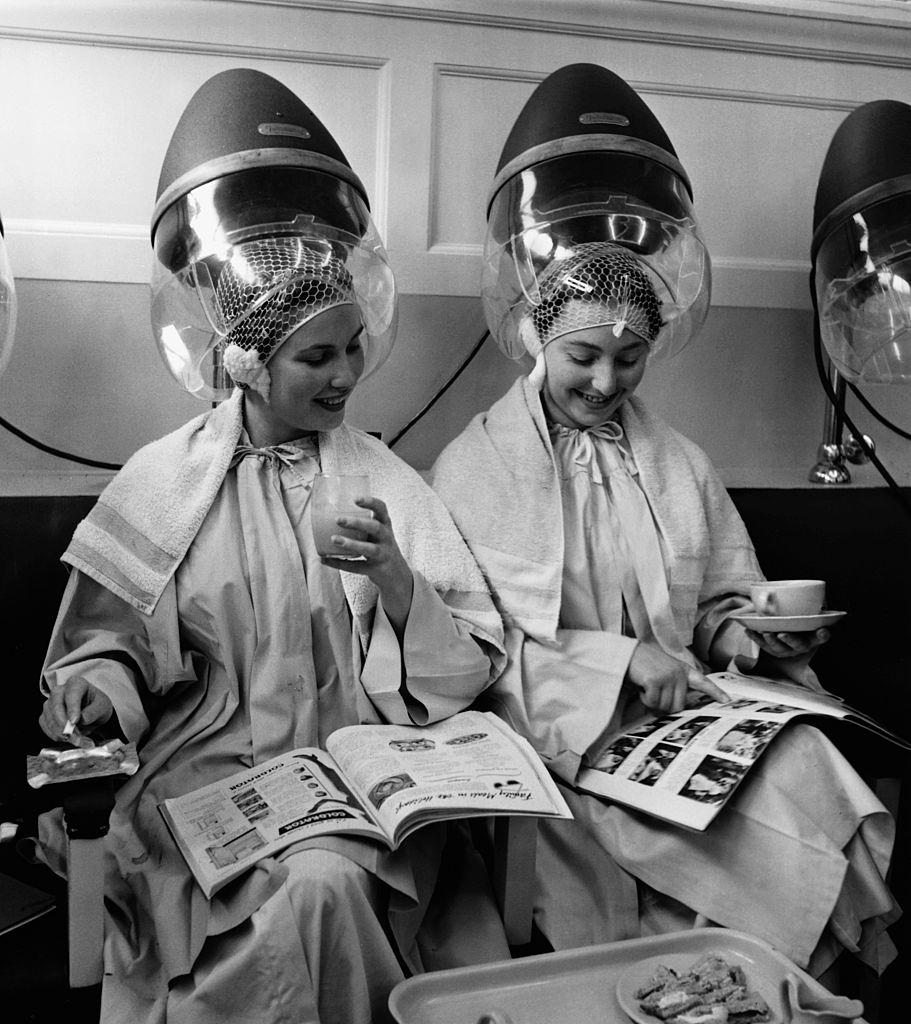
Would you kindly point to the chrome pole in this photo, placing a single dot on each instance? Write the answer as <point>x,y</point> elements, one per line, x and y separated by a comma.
<point>830,465</point>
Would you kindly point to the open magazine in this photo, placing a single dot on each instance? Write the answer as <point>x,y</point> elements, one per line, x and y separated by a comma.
<point>683,767</point>
<point>377,781</point>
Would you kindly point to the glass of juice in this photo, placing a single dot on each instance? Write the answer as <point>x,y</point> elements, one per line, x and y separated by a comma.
<point>332,496</point>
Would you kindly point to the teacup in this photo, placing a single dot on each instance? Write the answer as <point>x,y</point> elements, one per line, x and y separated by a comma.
<point>788,597</point>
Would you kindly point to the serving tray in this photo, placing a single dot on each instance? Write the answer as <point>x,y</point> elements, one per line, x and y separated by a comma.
<point>581,985</point>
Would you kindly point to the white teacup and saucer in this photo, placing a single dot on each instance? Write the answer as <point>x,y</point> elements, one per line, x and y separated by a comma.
<point>788,606</point>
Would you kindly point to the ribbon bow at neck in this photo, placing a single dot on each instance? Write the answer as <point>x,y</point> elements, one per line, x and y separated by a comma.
<point>582,449</point>
<point>284,454</point>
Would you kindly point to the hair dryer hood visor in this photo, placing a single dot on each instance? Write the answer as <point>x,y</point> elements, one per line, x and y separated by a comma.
<point>259,226</point>
<point>587,162</point>
<point>7,304</point>
<point>862,245</point>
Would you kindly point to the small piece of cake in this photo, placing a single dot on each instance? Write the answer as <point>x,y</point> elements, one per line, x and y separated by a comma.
<point>712,991</point>
<point>750,1008</point>
<point>661,977</point>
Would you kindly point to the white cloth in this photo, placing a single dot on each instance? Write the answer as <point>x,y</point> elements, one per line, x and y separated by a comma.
<point>142,525</point>
<point>251,648</point>
<point>518,513</point>
<point>610,538</point>
<point>799,855</point>
<point>498,479</point>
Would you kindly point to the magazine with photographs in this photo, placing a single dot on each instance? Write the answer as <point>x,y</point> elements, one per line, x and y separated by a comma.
<point>683,767</point>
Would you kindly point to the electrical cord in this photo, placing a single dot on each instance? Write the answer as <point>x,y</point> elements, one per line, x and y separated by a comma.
<point>868,405</point>
<point>115,466</point>
<point>56,451</point>
<point>442,391</point>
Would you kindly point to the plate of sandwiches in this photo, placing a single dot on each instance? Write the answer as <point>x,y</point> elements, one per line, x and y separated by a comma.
<point>715,987</point>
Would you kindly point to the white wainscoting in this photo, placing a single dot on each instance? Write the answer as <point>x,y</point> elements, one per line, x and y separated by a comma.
<point>420,96</point>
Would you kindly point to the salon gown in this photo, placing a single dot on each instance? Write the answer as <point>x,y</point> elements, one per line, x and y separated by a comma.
<point>250,652</point>
<point>798,855</point>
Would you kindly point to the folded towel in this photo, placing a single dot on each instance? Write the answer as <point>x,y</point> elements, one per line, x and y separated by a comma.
<point>499,481</point>
<point>145,520</point>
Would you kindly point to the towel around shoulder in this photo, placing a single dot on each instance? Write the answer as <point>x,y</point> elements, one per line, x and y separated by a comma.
<point>145,520</point>
<point>500,482</point>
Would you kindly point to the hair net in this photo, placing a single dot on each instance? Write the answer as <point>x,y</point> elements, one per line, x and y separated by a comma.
<point>610,288</point>
<point>271,287</point>
<point>599,284</point>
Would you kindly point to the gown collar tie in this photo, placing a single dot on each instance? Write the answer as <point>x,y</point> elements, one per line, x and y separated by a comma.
<point>286,454</point>
<point>645,585</point>
<point>580,446</point>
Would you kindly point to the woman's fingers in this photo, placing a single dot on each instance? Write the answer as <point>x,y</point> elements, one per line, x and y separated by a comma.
<point>786,645</point>
<point>700,682</point>
<point>67,708</point>
<point>377,507</point>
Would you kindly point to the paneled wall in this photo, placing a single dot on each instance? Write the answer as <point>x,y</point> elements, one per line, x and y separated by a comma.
<point>420,95</point>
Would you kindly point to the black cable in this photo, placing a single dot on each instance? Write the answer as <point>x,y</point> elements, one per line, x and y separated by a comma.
<point>868,405</point>
<point>56,451</point>
<point>442,391</point>
<point>841,412</point>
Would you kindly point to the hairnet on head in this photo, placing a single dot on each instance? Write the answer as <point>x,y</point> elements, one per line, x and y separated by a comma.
<point>271,288</point>
<point>600,284</point>
<point>587,162</point>
<point>260,224</point>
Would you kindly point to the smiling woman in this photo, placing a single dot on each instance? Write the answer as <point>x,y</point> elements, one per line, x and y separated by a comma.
<point>620,563</point>
<point>312,375</point>
<point>590,373</point>
<point>202,621</point>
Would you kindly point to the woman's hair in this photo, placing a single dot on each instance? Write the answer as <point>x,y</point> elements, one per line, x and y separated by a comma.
<point>608,286</point>
<point>275,286</point>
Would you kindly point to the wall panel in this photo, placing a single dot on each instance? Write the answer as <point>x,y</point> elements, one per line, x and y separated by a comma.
<point>421,95</point>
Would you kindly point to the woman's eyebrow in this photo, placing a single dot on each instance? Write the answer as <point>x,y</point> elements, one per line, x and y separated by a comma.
<point>633,346</point>
<point>326,346</point>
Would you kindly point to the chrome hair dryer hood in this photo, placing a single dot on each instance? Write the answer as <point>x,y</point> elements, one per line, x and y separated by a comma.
<point>7,303</point>
<point>256,199</point>
<point>861,251</point>
<point>588,162</point>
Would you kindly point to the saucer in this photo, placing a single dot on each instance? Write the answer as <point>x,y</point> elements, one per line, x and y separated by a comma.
<point>789,623</point>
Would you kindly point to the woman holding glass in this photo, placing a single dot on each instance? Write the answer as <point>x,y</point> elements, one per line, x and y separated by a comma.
<point>201,621</point>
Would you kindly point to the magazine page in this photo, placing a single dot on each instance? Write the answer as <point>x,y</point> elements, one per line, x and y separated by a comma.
<point>469,765</point>
<point>225,827</point>
<point>683,767</point>
<point>810,701</point>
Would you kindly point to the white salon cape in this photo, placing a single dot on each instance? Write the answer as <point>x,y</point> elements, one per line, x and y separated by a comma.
<point>649,547</point>
<point>250,652</point>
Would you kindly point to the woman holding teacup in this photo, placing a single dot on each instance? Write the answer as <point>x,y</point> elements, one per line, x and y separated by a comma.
<point>636,568</point>
<point>619,561</point>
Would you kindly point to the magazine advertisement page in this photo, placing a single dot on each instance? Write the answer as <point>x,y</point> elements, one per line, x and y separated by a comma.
<point>223,828</point>
<point>683,767</point>
<point>469,765</point>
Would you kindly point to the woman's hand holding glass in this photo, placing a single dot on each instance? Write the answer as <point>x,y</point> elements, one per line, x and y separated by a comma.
<point>663,681</point>
<point>73,710</point>
<point>377,556</point>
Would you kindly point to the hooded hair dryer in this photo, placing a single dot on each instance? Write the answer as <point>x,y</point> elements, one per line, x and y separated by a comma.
<point>7,303</point>
<point>260,224</point>
<point>588,173</point>
<point>861,249</point>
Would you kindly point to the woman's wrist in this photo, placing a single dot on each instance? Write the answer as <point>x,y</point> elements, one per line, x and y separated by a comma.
<point>397,596</point>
